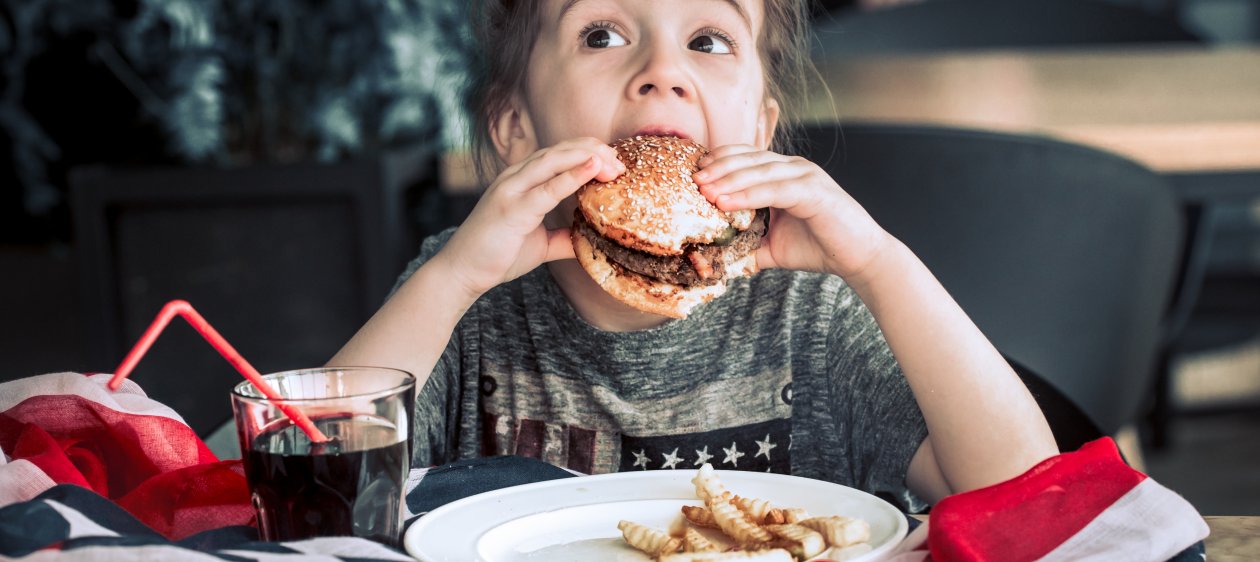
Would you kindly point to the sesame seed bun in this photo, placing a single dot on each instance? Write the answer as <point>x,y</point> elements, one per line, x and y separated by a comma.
<point>652,241</point>
<point>655,207</point>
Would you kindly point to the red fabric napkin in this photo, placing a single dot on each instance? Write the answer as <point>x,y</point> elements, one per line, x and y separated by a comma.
<point>1083,505</point>
<point>68,428</point>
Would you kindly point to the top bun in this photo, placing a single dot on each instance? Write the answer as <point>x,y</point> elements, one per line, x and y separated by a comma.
<point>655,207</point>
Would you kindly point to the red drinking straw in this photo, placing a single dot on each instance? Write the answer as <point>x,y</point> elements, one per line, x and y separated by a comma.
<point>182,308</point>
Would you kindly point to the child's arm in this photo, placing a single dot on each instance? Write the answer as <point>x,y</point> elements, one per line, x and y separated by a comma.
<point>502,239</point>
<point>984,425</point>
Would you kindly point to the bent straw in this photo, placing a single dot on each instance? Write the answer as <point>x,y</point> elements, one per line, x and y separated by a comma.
<point>182,308</point>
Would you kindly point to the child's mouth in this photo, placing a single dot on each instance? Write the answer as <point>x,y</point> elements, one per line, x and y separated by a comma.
<point>659,131</point>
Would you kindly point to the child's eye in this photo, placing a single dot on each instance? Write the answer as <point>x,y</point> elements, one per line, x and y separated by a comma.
<point>713,41</point>
<point>601,35</point>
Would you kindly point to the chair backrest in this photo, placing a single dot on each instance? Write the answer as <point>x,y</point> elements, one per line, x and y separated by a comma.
<point>1071,426</point>
<point>970,24</point>
<point>285,261</point>
<point>1064,255</point>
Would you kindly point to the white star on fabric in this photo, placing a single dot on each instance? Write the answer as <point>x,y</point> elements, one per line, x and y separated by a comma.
<point>672,459</point>
<point>703,456</point>
<point>641,459</point>
<point>763,447</point>
<point>732,455</point>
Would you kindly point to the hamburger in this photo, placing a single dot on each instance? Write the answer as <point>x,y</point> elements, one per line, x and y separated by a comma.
<point>652,241</point>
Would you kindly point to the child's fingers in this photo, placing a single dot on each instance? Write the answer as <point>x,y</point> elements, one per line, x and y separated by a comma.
<point>559,245</point>
<point>589,144</point>
<point>765,257</point>
<point>743,178</point>
<point>791,194</point>
<point>728,159</point>
<point>726,150</point>
<point>548,162</point>
<point>544,196</point>
<point>534,172</point>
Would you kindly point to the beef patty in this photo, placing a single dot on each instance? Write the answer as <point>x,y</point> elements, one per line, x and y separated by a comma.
<point>680,270</point>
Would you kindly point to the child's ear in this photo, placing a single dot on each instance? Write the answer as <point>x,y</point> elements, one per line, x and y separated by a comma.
<point>767,121</point>
<point>513,134</point>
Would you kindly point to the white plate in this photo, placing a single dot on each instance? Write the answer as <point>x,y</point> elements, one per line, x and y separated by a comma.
<point>576,518</point>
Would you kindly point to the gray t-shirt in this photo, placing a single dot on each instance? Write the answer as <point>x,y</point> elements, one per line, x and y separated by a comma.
<point>787,373</point>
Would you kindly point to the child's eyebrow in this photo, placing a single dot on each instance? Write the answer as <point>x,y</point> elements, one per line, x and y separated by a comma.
<point>569,4</point>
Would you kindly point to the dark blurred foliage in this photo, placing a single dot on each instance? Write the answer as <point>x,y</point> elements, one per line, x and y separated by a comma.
<point>226,82</point>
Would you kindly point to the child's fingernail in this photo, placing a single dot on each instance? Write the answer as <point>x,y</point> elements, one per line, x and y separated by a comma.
<point>701,175</point>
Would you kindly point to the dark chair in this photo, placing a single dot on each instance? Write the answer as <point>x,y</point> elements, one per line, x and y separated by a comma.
<point>285,261</point>
<point>1071,426</point>
<point>1217,310</point>
<point>1064,255</point>
<point>938,25</point>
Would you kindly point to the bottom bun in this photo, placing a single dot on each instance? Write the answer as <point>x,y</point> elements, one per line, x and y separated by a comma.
<point>648,294</point>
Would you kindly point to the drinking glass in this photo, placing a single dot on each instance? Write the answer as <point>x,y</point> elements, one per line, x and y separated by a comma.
<point>351,484</point>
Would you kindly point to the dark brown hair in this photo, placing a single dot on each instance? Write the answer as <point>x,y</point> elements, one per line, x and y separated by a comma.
<point>505,31</point>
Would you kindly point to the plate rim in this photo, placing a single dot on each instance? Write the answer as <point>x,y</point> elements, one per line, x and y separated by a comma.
<point>410,536</point>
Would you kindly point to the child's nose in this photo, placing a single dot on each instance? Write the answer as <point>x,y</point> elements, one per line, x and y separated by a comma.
<point>661,73</point>
<point>647,88</point>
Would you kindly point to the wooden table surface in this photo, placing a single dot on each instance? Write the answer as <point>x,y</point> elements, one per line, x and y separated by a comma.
<point>1233,538</point>
<point>1176,109</point>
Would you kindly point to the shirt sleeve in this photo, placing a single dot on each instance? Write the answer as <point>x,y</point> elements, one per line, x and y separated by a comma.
<point>883,424</point>
<point>433,440</point>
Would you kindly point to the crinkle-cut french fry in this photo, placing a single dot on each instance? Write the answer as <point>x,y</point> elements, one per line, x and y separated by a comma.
<point>774,516</point>
<point>693,541</point>
<point>757,509</point>
<point>708,485</point>
<point>772,555</point>
<point>842,553</point>
<point>654,542</point>
<point>795,515</point>
<point>838,530</point>
<point>736,525</point>
<point>699,516</point>
<point>801,541</point>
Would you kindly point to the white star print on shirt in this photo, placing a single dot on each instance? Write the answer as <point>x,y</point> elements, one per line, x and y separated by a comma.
<point>641,459</point>
<point>672,459</point>
<point>703,456</point>
<point>763,447</point>
<point>732,455</point>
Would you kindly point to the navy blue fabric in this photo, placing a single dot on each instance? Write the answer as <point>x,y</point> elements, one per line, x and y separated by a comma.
<point>449,482</point>
<point>29,526</point>
<point>1196,553</point>
<point>26,527</point>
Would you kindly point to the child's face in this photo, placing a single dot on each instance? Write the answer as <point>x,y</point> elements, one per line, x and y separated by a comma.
<point>616,68</point>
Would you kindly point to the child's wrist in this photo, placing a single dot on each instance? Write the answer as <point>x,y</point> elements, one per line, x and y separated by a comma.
<point>446,271</point>
<point>887,258</point>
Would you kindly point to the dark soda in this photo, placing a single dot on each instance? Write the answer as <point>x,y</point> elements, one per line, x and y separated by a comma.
<point>352,485</point>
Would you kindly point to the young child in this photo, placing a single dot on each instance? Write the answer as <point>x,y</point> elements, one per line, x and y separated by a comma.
<point>798,369</point>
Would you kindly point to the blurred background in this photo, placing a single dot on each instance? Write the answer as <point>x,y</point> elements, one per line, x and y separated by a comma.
<point>276,162</point>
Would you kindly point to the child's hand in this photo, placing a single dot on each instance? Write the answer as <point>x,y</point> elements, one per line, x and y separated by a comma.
<point>504,237</point>
<point>814,224</point>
